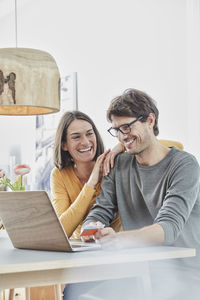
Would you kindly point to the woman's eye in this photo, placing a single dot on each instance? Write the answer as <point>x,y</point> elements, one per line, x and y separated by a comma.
<point>75,137</point>
<point>90,133</point>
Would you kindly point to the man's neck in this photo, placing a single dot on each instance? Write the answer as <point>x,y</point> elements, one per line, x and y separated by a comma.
<point>152,154</point>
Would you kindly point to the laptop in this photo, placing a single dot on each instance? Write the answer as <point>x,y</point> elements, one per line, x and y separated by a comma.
<point>32,223</point>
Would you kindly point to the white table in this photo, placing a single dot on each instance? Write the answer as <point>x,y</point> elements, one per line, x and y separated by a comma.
<point>26,268</point>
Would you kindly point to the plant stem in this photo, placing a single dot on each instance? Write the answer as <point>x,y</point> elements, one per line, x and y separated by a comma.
<point>10,186</point>
<point>21,182</point>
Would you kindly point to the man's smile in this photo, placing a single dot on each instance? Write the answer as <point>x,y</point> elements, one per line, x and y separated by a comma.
<point>129,142</point>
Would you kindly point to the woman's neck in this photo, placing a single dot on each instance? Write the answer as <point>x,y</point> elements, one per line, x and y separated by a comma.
<point>83,170</point>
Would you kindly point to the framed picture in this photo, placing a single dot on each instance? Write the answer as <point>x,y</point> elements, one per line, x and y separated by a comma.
<point>46,126</point>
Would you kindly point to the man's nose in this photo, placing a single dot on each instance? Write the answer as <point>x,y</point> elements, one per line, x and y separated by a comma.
<point>122,134</point>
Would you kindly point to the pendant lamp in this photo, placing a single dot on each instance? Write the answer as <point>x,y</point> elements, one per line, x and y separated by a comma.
<point>29,82</point>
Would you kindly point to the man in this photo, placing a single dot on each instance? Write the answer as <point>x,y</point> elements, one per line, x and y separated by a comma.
<point>156,191</point>
<point>154,188</point>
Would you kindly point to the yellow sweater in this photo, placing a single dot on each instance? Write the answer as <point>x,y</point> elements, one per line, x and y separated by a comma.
<point>72,200</point>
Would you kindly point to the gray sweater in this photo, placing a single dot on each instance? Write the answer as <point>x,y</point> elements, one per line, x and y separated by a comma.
<point>166,193</point>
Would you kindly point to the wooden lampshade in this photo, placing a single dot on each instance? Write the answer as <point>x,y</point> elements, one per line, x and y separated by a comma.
<point>29,82</point>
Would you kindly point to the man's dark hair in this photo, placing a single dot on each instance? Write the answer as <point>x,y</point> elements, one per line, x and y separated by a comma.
<point>134,103</point>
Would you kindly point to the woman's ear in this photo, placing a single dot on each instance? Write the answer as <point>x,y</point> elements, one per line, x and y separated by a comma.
<point>64,146</point>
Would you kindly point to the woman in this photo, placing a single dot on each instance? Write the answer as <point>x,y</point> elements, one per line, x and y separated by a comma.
<point>75,181</point>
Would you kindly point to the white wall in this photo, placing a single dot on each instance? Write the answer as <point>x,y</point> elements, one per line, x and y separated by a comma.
<point>114,45</point>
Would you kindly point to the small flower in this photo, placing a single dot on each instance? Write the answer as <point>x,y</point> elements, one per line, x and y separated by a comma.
<point>18,184</point>
<point>2,173</point>
<point>21,169</point>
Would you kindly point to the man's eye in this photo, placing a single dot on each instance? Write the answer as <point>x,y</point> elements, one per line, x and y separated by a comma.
<point>124,127</point>
<point>75,137</point>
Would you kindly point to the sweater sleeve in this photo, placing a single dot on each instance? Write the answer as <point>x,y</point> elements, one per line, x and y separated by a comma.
<point>105,209</point>
<point>70,201</point>
<point>180,198</point>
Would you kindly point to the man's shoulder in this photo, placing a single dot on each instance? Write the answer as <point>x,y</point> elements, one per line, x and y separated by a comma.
<point>182,155</point>
<point>124,158</point>
<point>184,158</point>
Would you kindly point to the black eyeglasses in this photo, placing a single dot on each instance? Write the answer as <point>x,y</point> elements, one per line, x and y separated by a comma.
<point>125,128</point>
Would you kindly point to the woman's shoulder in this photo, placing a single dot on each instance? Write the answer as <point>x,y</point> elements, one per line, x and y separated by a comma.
<point>67,171</point>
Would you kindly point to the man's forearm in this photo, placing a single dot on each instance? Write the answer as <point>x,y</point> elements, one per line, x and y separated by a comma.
<point>146,236</point>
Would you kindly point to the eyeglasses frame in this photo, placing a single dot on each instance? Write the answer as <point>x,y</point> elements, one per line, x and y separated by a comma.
<point>128,124</point>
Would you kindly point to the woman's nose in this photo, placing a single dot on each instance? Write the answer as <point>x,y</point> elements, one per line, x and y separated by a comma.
<point>85,140</point>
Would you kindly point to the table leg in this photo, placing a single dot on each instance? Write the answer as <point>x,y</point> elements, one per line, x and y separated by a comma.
<point>27,293</point>
<point>2,295</point>
<point>58,292</point>
<point>146,282</point>
<point>11,294</point>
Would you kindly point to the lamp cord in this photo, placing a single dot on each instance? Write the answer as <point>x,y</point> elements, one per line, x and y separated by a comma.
<point>16,41</point>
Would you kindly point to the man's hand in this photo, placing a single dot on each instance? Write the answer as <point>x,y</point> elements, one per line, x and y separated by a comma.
<point>103,233</point>
<point>108,238</point>
<point>90,238</point>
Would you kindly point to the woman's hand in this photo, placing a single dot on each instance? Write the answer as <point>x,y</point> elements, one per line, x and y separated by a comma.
<point>97,171</point>
<point>110,157</point>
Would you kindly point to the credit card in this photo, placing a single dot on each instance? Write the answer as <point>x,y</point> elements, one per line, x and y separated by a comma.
<point>91,230</point>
